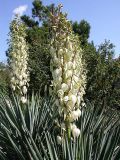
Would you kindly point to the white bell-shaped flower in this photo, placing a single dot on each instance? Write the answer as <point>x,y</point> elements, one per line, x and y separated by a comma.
<point>78,112</point>
<point>76,132</point>
<point>64,87</point>
<point>73,116</point>
<point>24,89</point>
<point>72,126</point>
<point>21,83</point>
<point>59,140</point>
<point>73,98</point>
<point>23,100</point>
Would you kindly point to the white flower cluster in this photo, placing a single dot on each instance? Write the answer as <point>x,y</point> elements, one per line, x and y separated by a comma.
<point>68,69</point>
<point>18,58</point>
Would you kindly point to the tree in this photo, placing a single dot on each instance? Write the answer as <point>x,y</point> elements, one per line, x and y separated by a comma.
<point>83,30</point>
<point>103,85</point>
<point>38,40</point>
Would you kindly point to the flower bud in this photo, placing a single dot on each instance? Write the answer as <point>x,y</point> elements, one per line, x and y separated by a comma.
<point>64,87</point>
<point>69,73</point>
<point>65,99</point>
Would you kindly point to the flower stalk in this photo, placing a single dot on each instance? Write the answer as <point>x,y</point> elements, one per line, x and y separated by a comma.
<point>18,58</point>
<point>68,69</point>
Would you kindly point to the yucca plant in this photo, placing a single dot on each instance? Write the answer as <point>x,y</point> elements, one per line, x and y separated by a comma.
<point>28,132</point>
<point>99,139</point>
<point>22,127</point>
<point>38,128</point>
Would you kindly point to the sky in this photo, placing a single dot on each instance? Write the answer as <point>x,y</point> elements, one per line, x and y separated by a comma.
<point>102,15</point>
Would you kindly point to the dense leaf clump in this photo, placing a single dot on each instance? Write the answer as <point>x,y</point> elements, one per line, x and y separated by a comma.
<point>30,131</point>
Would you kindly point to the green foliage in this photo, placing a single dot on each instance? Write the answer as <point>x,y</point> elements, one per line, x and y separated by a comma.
<point>103,76</point>
<point>27,132</point>
<point>39,58</point>
<point>4,76</point>
<point>40,11</point>
<point>103,70</point>
<point>22,127</point>
<point>83,30</point>
<point>99,139</point>
<point>38,40</point>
